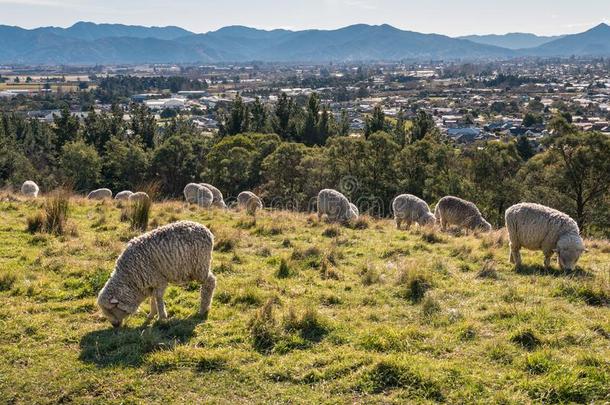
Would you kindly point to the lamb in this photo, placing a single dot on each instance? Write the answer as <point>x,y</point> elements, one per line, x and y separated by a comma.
<point>250,201</point>
<point>140,196</point>
<point>218,200</point>
<point>455,211</point>
<point>335,205</point>
<point>178,253</point>
<point>409,208</point>
<point>537,227</point>
<point>198,194</point>
<point>123,195</point>
<point>30,189</point>
<point>100,194</point>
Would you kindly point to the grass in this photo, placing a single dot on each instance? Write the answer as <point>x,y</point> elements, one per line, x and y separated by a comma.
<point>304,312</point>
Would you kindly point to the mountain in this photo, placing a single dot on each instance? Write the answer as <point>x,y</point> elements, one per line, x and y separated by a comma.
<point>594,42</point>
<point>89,43</point>
<point>89,31</point>
<point>514,40</point>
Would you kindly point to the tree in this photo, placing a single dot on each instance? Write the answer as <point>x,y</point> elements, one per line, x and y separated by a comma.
<point>259,117</point>
<point>375,122</point>
<point>66,127</point>
<point>125,165</point>
<point>81,165</point>
<point>143,125</point>
<point>238,120</point>
<point>524,148</point>
<point>310,132</point>
<point>529,120</point>
<point>344,126</point>
<point>573,174</point>
<point>423,124</point>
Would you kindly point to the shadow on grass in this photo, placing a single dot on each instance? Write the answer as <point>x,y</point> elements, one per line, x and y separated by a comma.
<point>127,346</point>
<point>539,270</point>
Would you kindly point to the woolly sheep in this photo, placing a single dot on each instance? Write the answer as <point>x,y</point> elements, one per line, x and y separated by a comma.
<point>355,209</point>
<point>140,196</point>
<point>537,227</point>
<point>176,253</point>
<point>218,201</point>
<point>100,194</point>
<point>123,195</point>
<point>335,205</point>
<point>198,194</point>
<point>250,201</point>
<point>30,189</point>
<point>455,211</point>
<point>409,208</point>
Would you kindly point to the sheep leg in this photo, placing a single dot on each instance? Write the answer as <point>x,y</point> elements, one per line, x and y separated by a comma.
<point>547,259</point>
<point>153,307</point>
<point>160,303</point>
<point>207,291</point>
<point>398,223</point>
<point>515,255</point>
<point>408,225</point>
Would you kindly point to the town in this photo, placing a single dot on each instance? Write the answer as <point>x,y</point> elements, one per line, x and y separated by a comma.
<point>468,102</point>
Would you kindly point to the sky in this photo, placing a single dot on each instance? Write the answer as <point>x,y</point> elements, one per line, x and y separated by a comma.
<point>449,17</point>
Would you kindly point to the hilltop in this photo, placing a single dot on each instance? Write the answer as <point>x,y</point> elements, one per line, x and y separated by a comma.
<point>303,310</point>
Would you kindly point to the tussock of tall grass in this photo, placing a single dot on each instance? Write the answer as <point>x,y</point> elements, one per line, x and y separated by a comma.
<point>53,218</point>
<point>139,214</point>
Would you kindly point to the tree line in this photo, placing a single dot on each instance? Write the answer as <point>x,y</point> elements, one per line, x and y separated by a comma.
<point>287,153</point>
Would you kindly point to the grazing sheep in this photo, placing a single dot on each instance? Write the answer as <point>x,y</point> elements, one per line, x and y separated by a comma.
<point>140,196</point>
<point>198,194</point>
<point>218,201</point>
<point>409,208</point>
<point>335,205</point>
<point>30,189</point>
<point>355,209</point>
<point>250,201</point>
<point>177,253</point>
<point>455,211</point>
<point>537,227</point>
<point>123,195</point>
<point>100,194</point>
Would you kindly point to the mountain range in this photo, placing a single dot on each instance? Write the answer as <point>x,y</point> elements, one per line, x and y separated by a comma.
<point>89,43</point>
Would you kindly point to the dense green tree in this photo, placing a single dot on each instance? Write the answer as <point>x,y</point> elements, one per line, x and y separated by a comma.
<point>66,127</point>
<point>259,117</point>
<point>175,163</point>
<point>310,134</point>
<point>375,122</point>
<point>125,166</point>
<point>81,165</point>
<point>423,124</point>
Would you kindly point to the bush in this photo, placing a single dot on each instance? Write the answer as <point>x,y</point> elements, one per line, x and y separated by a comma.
<point>54,215</point>
<point>139,213</point>
<point>415,284</point>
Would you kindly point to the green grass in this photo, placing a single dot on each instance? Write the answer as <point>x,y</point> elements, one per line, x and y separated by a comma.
<point>304,312</point>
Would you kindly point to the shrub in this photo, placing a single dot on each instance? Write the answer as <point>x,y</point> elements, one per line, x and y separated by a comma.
<point>54,215</point>
<point>415,284</point>
<point>139,213</point>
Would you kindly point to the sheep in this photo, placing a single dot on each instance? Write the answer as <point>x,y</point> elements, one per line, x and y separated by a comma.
<point>537,227</point>
<point>409,208</point>
<point>355,209</point>
<point>198,194</point>
<point>250,201</point>
<point>30,189</point>
<point>177,253</point>
<point>123,195</point>
<point>100,194</point>
<point>335,205</point>
<point>140,196</point>
<point>218,201</point>
<point>455,211</point>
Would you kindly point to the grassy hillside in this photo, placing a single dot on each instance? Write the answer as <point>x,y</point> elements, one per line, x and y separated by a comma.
<point>304,312</point>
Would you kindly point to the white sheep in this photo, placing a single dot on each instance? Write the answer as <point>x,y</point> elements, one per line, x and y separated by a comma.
<point>100,194</point>
<point>409,209</point>
<point>123,195</point>
<point>177,253</point>
<point>355,209</point>
<point>30,189</point>
<point>197,194</point>
<point>537,227</point>
<point>249,201</point>
<point>456,211</point>
<point>335,205</point>
<point>140,196</point>
<point>218,201</point>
